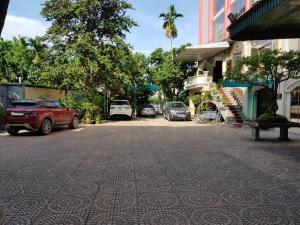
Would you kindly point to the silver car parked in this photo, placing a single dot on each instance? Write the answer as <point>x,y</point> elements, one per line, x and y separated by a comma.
<point>119,108</point>
<point>147,110</point>
<point>176,111</point>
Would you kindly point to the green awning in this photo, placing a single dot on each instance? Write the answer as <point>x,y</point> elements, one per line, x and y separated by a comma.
<point>268,19</point>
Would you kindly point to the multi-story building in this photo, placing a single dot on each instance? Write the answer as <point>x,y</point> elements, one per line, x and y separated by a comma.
<point>216,53</point>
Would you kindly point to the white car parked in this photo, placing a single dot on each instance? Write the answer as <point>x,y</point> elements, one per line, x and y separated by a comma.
<point>120,108</point>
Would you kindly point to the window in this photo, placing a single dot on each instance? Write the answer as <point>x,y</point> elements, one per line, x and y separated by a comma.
<point>177,105</point>
<point>24,105</point>
<point>49,105</point>
<point>120,102</point>
<point>295,105</point>
<point>219,4</point>
<point>219,28</point>
<point>238,7</point>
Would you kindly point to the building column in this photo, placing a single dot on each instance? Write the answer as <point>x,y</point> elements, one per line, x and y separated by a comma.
<point>191,104</point>
<point>248,5</point>
<point>211,22</point>
<point>227,11</point>
<point>288,105</point>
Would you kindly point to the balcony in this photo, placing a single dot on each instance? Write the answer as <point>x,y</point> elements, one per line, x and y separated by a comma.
<point>201,81</point>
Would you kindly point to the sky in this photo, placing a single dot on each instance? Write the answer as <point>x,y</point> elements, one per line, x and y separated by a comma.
<point>24,19</point>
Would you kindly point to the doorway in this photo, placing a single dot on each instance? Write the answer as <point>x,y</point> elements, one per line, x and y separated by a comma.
<point>295,105</point>
<point>218,72</point>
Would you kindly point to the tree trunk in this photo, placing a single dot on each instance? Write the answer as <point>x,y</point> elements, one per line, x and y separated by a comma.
<point>3,11</point>
<point>272,105</point>
<point>172,49</point>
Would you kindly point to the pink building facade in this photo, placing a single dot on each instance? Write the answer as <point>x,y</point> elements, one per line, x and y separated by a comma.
<point>213,18</point>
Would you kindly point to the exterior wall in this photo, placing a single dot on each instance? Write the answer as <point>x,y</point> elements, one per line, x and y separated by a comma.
<point>32,93</point>
<point>204,22</point>
<point>209,14</point>
<point>11,91</point>
<point>286,87</point>
<point>243,49</point>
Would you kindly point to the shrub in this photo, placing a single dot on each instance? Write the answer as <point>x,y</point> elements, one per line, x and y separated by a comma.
<point>98,119</point>
<point>269,118</point>
<point>2,111</point>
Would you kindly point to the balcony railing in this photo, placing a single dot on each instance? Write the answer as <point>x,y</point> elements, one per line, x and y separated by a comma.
<point>201,81</point>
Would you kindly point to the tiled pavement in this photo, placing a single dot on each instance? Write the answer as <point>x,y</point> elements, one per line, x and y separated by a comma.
<point>150,175</point>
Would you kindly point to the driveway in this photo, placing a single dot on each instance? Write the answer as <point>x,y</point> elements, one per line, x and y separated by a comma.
<point>150,172</point>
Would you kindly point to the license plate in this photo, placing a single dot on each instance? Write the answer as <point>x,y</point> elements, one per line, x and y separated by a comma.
<point>17,114</point>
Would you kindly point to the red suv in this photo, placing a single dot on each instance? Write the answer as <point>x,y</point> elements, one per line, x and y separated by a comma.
<point>40,116</point>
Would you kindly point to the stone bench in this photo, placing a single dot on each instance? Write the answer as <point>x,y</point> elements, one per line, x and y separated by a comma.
<point>284,129</point>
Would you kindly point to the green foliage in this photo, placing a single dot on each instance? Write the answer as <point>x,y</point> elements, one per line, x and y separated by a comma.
<point>267,69</point>
<point>169,22</point>
<point>169,75</point>
<point>2,111</point>
<point>197,99</point>
<point>269,118</point>
<point>169,25</point>
<point>22,57</point>
<point>98,119</point>
<point>73,100</point>
<point>88,42</point>
<point>157,99</point>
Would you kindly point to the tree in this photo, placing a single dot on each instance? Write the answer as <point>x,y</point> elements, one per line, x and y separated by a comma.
<point>88,40</point>
<point>169,24</point>
<point>22,57</point>
<point>267,69</point>
<point>3,11</point>
<point>168,74</point>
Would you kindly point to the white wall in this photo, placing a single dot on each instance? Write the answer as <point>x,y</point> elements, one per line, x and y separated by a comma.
<point>286,87</point>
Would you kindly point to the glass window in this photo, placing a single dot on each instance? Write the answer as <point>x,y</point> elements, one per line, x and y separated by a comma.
<point>238,7</point>
<point>295,105</point>
<point>50,105</point>
<point>219,4</point>
<point>177,105</point>
<point>219,28</point>
<point>24,105</point>
<point>120,103</point>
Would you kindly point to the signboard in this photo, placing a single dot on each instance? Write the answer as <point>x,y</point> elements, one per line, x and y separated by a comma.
<point>209,115</point>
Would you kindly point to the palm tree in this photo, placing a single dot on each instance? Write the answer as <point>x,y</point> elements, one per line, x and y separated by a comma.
<point>3,11</point>
<point>169,24</point>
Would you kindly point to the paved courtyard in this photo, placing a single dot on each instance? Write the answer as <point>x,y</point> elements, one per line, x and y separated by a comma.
<point>150,172</point>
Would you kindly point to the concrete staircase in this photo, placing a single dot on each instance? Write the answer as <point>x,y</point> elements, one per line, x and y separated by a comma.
<point>233,99</point>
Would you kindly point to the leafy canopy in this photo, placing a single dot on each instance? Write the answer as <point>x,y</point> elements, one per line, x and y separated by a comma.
<point>267,69</point>
<point>170,75</point>
<point>88,41</point>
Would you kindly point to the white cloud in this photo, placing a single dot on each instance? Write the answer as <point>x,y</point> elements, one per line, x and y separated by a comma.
<point>21,26</point>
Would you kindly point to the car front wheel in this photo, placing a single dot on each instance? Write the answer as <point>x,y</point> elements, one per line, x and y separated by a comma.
<point>46,127</point>
<point>74,123</point>
<point>12,131</point>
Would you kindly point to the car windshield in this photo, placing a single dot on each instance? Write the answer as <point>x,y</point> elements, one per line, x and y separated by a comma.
<point>147,106</point>
<point>177,105</point>
<point>120,103</point>
<point>24,105</point>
